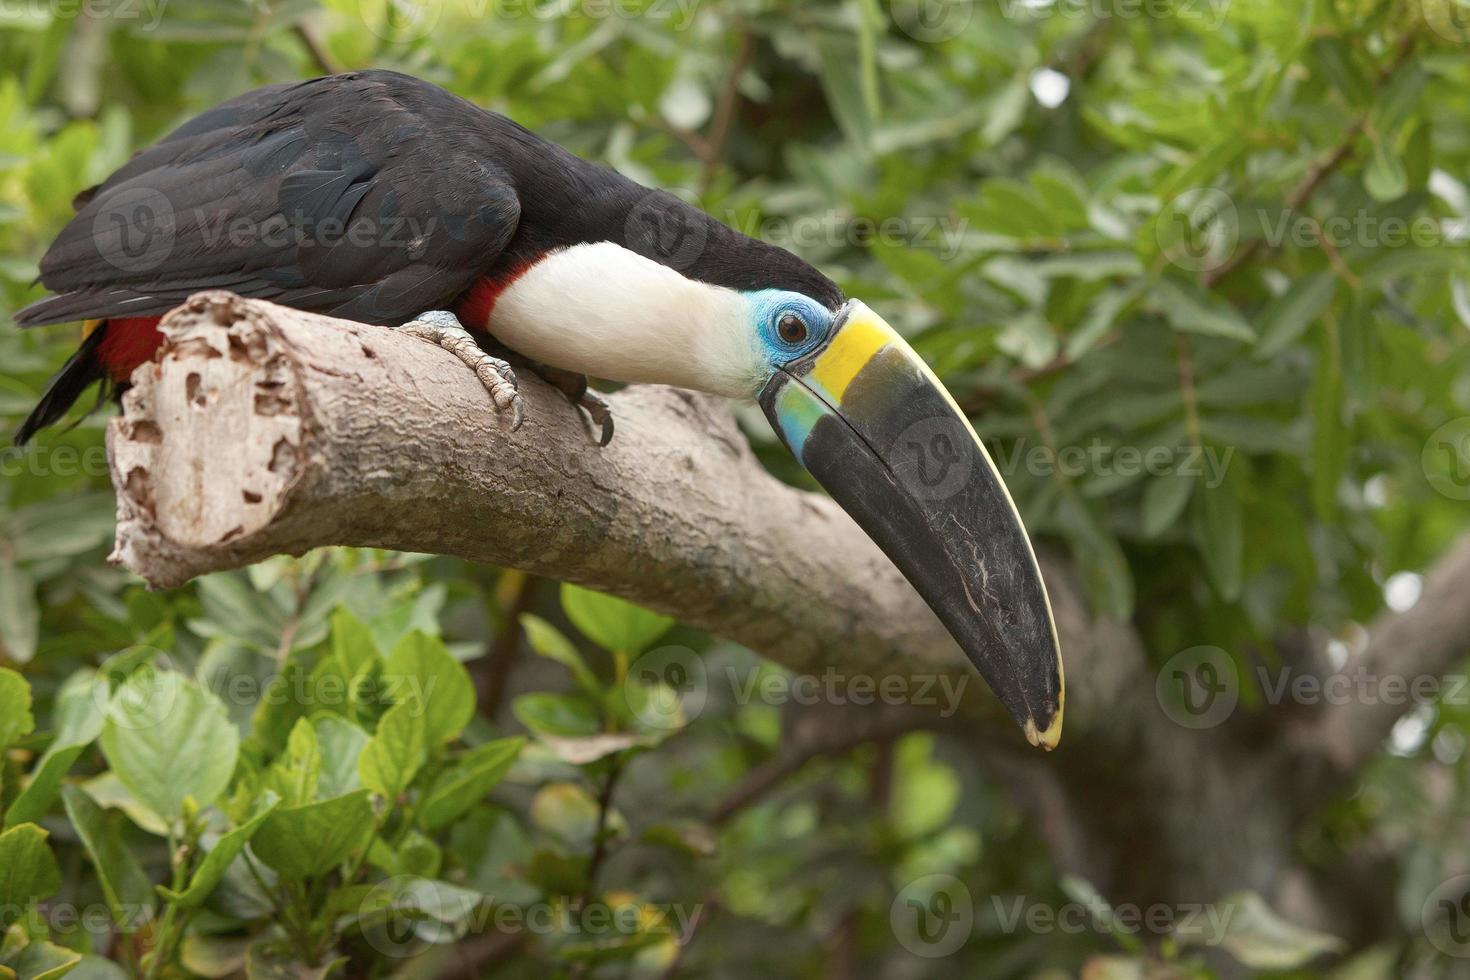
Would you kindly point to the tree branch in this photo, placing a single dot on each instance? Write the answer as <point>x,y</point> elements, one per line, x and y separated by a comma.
<point>1407,654</point>
<point>262,430</point>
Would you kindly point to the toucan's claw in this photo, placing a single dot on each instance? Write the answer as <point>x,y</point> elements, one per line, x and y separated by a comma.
<point>443,329</point>
<point>573,384</point>
<point>600,412</point>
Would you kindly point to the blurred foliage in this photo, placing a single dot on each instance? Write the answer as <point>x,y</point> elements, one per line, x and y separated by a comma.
<point>1115,228</point>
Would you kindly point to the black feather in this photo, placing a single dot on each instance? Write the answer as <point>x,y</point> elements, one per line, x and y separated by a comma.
<point>65,387</point>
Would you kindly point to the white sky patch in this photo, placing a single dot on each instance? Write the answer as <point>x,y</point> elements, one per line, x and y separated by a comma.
<point>1402,590</point>
<point>1050,87</point>
<point>1449,746</point>
<point>1337,654</point>
<point>1375,491</point>
<point>1409,731</point>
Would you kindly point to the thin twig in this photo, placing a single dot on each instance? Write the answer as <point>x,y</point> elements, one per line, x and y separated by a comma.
<point>724,114</point>
<point>1316,174</point>
<point>314,46</point>
<point>505,646</point>
<point>765,778</point>
<point>1187,390</point>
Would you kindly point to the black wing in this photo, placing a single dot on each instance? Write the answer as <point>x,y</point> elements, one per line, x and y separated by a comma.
<point>370,195</point>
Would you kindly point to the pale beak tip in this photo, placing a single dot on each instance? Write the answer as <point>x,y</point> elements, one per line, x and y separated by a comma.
<point>1048,739</point>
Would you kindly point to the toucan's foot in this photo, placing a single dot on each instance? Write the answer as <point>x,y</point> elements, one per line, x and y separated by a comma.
<point>574,386</point>
<point>600,412</point>
<point>443,329</point>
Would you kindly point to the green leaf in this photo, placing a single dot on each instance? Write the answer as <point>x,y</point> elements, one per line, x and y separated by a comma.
<point>549,642</point>
<point>396,752</point>
<point>28,871</point>
<point>567,811</point>
<point>295,775</point>
<point>1164,499</point>
<point>421,665</point>
<point>471,779</point>
<point>36,799</point>
<point>43,961</point>
<point>169,740</point>
<point>211,870</point>
<point>1386,179</point>
<point>1189,309</point>
<point>1289,315</point>
<point>352,644</point>
<point>308,841</point>
<point>557,714</point>
<point>613,624</point>
<point>16,720</point>
<point>96,968</point>
<point>267,961</point>
<point>127,889</point>
<point>20,616</point>
<point>1220,536</point>
<point>341,746</point>
<point>1330,437</point>
<point>412,900</point>
<point>1261,939</point>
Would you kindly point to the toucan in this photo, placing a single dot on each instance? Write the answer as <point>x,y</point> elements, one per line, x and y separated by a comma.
<point>385,199</point>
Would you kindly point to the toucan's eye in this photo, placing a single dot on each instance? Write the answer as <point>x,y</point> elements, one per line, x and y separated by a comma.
<point>792,328</point>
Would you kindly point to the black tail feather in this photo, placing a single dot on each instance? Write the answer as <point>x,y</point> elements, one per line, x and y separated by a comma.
<point>80,371</point>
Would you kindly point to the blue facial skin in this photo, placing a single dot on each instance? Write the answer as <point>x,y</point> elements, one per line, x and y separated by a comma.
<point>768,306</point>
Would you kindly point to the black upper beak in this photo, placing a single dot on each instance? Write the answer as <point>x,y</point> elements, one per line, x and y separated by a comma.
<point>870,421</point>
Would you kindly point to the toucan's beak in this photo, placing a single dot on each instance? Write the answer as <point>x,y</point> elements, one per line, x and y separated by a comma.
<point>865,415</point>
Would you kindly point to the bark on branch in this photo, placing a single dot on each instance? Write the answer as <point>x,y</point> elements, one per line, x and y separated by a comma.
<point>262,430</point>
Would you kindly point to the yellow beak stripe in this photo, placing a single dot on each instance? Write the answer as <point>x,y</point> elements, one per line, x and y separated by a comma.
<point>854,346</point>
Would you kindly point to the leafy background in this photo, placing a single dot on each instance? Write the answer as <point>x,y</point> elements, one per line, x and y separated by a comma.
<point>1072,210</point>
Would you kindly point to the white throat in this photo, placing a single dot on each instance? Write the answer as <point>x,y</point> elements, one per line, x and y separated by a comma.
<point>605,311</point>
